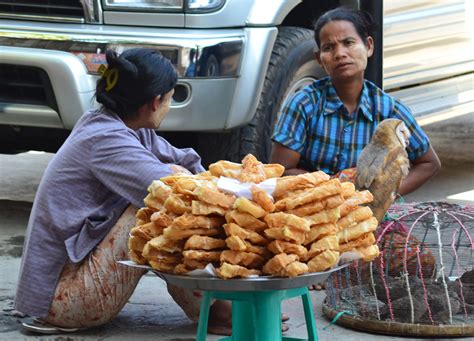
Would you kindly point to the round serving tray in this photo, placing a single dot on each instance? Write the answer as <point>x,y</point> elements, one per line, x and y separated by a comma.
<point>261,283</point>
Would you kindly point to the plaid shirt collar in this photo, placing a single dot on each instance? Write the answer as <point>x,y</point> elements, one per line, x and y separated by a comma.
<point>334,103</point>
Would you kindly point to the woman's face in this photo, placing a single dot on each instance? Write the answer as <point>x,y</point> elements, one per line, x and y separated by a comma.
<point>162,105</point>
<point>343,54</point>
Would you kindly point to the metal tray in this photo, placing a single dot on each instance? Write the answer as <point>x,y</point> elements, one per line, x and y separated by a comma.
<point>261,283</point>
<point>258,283</point>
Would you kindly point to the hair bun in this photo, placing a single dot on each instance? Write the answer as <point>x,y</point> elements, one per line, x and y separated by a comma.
<point>122,64</point>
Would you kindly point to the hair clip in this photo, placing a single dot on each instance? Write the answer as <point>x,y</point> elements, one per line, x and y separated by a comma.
<point>110,76</point>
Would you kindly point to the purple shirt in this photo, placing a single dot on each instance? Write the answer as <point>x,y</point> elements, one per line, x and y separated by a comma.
<point>102,168</point>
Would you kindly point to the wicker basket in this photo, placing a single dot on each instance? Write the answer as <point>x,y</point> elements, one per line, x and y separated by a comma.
<point>422,284</point>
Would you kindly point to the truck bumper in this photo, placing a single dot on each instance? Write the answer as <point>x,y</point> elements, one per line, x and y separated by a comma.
<point>216,92</point>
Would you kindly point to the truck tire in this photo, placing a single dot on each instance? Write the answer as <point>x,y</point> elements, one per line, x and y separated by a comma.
<point>292,66</point>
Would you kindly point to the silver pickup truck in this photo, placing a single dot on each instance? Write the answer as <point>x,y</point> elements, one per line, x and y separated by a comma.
<point>237,62</point>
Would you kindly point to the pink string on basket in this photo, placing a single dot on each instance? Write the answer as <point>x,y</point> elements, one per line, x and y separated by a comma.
<point>387,290</point>
<point>425,291</point>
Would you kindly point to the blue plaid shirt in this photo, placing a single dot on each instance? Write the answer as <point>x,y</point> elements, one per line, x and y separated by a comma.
<point>316,124</point>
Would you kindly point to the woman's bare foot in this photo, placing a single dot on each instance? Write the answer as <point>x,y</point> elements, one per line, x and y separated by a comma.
<point>318,287</point>
<point>220,319</point>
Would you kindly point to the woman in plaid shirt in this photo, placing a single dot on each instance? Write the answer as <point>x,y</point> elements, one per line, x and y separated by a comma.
<point>326,125</point>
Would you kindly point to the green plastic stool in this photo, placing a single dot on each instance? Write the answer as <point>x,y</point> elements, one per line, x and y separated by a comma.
<point>256,315</point>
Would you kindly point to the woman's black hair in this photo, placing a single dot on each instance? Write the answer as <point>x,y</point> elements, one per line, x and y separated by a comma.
<point>362,21</point>
<point>142,74</point>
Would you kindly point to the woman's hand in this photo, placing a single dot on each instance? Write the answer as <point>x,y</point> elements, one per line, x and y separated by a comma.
<point>179,169</point>
<point>288,158</point>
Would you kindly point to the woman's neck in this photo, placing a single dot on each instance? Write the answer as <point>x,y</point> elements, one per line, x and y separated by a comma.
<point>349,92</point>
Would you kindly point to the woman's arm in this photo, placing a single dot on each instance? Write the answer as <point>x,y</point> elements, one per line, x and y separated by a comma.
<point>286,157</point>
<point>422,169</point>
<point>182,157</point>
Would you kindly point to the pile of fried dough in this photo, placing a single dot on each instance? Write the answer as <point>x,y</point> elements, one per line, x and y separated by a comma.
<point>304,226</point>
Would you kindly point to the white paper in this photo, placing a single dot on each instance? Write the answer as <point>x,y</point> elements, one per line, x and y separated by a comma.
<point>242,189</point>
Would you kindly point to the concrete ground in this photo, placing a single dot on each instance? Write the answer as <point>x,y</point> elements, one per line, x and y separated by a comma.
<point>151,313</point>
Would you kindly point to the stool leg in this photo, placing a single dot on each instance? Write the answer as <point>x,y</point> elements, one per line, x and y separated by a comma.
<point>203,316</point>
<point>267,306</point>
<point>309,317</point>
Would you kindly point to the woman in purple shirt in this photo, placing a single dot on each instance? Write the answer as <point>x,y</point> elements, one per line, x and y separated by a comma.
<point>86,202</point>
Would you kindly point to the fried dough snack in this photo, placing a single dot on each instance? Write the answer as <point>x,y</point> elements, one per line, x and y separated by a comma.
<point>202,208</point>
<point>262,198</point>
<point>190,221</point>
<point>252,170</point>
<point>137,257</point>
<point>232,229</point>
<point>351,203</point>
<point>238,244</point>
<point>348,189</point>
<point>318,206</point>
<point>203,243</point>
<point>152,254</point>
<point>187,185</point>
<point>355,231</point>
<point>225,168</point>
<point>328,216</point>
<point>294,269</point>
<point>247,259</point>
<point>214,197</point>
<point>323,261</point>
<point>281,219</point>
<point>183,211</point>
<point>359,214</point>
<point>164,244</point>
<point>192,264</point>
<point>363,241</point>
<point>172,179</point>
<point>147,231</point>
<point>232,170</point>
<point>151,202</point>
<point>291,194</point>
<point>136,243</point>
<point>296,182</point>
<point>161,218</point>
<point>143,215</point>
<point>159,190</point>
<point>175,233</point>
<point>245,220</point>
<point>330,242</point>
<point>280,246</point>
<point>366,253</point>
<point>278,263</point>
<point>319,231</point>
<point>244,205</point>
<point>273,170</point>
<point>181,269</point>
<point>227,271</point>
<point>163,267</point>
<point>288,233</point>
<point>324,190</point>
<point>202,256</point>
<point>178,203</point>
